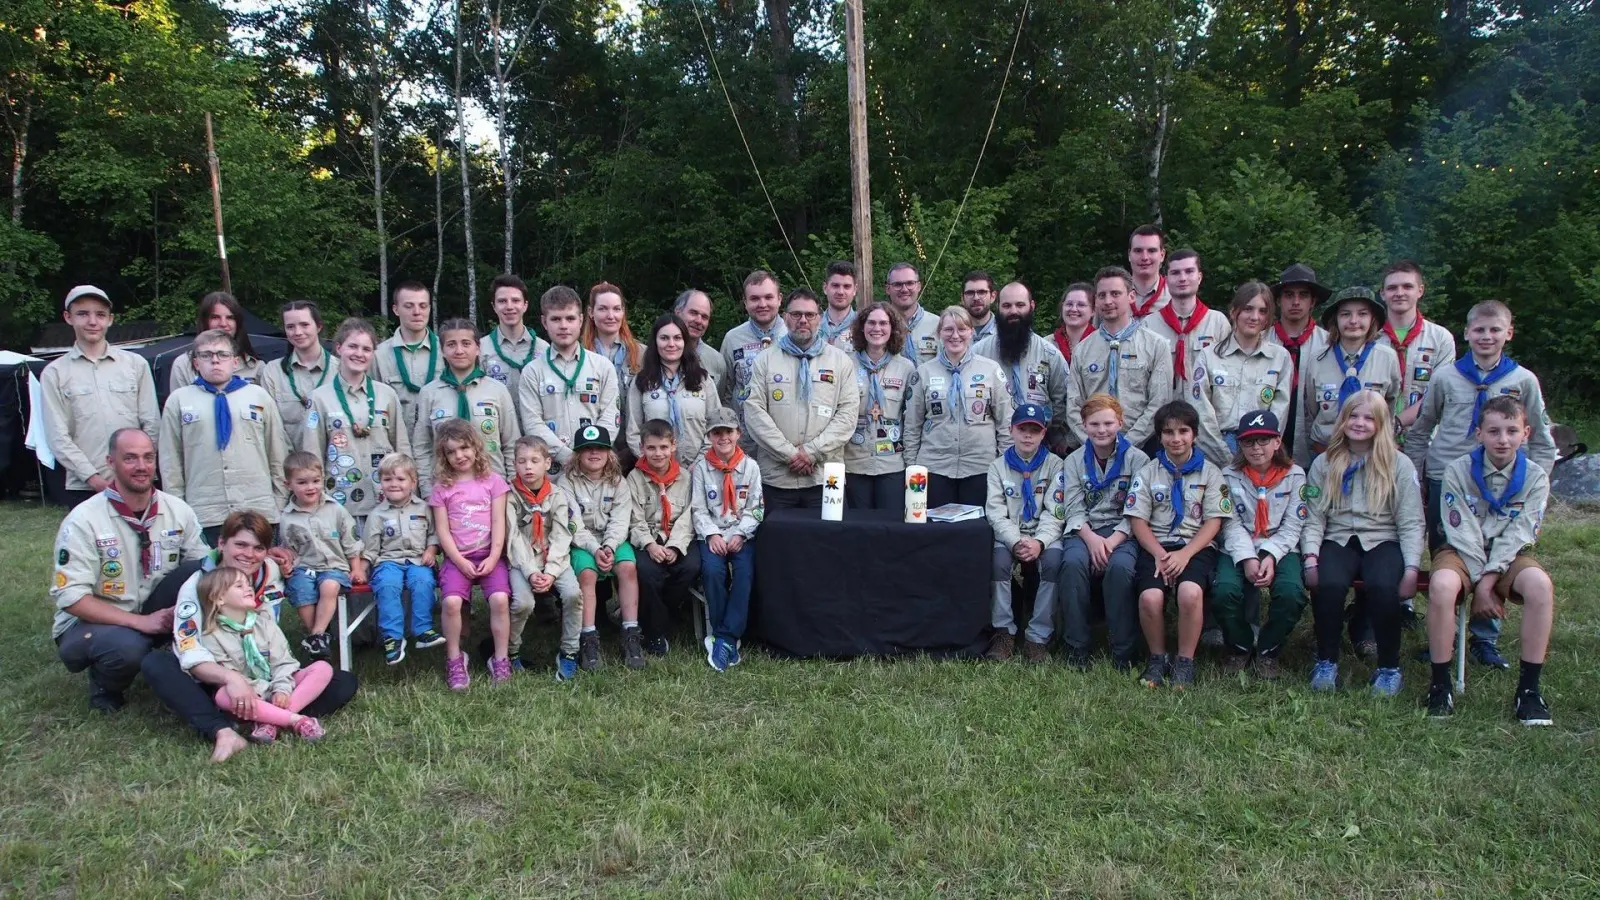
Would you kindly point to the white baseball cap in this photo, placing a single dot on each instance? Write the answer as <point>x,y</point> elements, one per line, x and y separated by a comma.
<point>85,290</point>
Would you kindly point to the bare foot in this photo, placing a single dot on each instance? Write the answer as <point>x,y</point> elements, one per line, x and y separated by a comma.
<point>227,744</point>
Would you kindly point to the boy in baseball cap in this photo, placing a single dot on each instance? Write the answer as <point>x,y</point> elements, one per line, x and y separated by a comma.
<point>1026,507</point>
<point>725,487</point>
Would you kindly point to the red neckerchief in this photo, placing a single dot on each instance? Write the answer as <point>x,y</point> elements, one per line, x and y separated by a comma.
<point>1064,346</point>
<point>662,482</point>
<point>140,523</point>
<point>534,499</point>
<point>727,470</point>
<point>1293,344</point>
<point>1400,346</point>
<point>1180,353</point>
<point>1263,484</point>
<point>1161,288</point>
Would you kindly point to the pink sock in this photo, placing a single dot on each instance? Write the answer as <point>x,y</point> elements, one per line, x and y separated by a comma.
<point>309,683</point>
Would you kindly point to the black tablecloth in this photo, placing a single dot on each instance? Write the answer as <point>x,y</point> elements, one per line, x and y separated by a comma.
<point>870,585</point>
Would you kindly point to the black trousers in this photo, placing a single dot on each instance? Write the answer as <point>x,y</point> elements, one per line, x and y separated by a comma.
<point>793,498</point>
<point>663,586</point>
<point>1380,568</point>
<point>942,489</point>
<point>875,491</point>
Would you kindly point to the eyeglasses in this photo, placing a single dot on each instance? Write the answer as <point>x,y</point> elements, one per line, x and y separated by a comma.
<point>805,316</point>
<point>903,285</point>
<point>213,355</point>
<point>978,293</point>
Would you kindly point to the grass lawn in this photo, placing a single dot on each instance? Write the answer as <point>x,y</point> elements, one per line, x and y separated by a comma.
<point>811,779</point>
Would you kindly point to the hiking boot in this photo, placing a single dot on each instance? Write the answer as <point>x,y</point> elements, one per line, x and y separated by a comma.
<point>1266,668</point>
<point>427,640</point>
<point>566,667</point>
<point>1441,703</point>
<point>1182,673</point>
<point>589,650</point>
<point>1386,682</point>
<point>105,699</point>
<point>1325,676</point>
<point>1531,709</point>
<point>1235,662</point>
<point>456,674</point>
<point>1079,660</point>
<point>394,650</point>
<point>1155,672</point>
<point>1486,654</point>
<point>1034,652</point>
<point>632,651</point>
<point>1001,647</point>
<point>499,670</point>
<point>656,646</point>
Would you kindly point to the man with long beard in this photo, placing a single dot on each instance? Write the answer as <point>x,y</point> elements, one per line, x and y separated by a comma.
<point>1035,370</point>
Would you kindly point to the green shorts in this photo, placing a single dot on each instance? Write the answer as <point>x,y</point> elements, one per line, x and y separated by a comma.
<point>583,560</point>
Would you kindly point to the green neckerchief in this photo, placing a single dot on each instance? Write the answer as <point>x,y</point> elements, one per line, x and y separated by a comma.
<point>405,370</point>
<point>494,340</point>
<point>254,660</point>
<point>463,411</point>
<point>288,375</point>
<point>372,407</point>
<point>571,383</point>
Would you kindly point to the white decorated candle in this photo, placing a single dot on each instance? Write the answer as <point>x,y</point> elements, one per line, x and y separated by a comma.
<point>833,492</point>
<point>916,494</point>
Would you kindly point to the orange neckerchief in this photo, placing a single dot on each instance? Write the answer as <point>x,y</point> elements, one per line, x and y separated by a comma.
<point>534,499</point>
<point>727,470</point>
<point>1263,484</point>
<point>662,482</point>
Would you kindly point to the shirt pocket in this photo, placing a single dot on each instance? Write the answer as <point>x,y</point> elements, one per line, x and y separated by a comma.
<point>121,393</point>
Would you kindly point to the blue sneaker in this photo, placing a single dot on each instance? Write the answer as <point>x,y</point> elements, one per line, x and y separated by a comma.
<point>1386,682</point>
<point>722,655</point>
<point>566,666</point>
<point>1325,676</point>
<point>734,657</point>
<point>1486,654</point>
<point>517,665</point>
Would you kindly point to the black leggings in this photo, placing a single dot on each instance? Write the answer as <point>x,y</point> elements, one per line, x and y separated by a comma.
<point>1380,570</point>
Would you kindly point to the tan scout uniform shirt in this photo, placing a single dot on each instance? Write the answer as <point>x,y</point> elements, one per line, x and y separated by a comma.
<point>98,553</point>
<point>1433,349</point>
<point>951,438</point>
<point>350,462</point>
<point>553,412</point>
<point>1286,511</point>
<point>1107,507</point>
<point>711,360</point>
<point>423,363</point>
<point>323,539</point>
<point>1319,392</point>
<point>85,400</point>
<point>1042,373</point>
<point>922,336</point>
<point>292,391</point>
<point>1448,404</point>
<point>1205,496</point>
<point>226,648</point>
<point>693,408</point>
<point>877,447</point>
<point>749,507</point>
<point>1487,541</point>
<point>493,413</point>
<point>1402,522</point>
<point>604,511</point>
<point>398,533</point>
<point>783,417</point>
<point>645,519</point>
<point>247,475</point>
<point>1214,328</point>
<point>1144,371</point>
<point>504,359</point>
<point>182,373</point>
<point>740,347</point>
<point>553,557</point>
<point>1234,382</point>
<point>188,619</point>
<point>1003,506</point>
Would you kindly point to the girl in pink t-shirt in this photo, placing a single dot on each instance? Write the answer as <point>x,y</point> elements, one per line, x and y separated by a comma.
<point>469,510</point>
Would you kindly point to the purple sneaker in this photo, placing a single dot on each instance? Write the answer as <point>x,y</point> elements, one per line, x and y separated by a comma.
<point>455,673</point>
<point>499,670</point>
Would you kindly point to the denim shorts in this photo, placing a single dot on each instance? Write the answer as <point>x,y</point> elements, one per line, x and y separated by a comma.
<point>303,584</point>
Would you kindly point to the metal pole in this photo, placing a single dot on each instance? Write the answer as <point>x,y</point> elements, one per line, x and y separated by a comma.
<point>216,203</point>
<point>860,194</point>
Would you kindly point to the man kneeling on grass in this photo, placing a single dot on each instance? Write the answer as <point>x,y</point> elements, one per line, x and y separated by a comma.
<point>1493,503</point>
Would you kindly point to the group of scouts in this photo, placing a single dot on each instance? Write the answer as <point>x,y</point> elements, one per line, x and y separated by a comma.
<point>1149,448</point>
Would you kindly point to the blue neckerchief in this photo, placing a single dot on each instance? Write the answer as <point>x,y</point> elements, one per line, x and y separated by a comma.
<point>1468,367</point>
<point>1348,479</point>
<point>769,333</point>
<point>670,385</point>
<point>958,399</point>
<point>1113,368</point>
<point>220,406</point>
<point>1025,468</point>
<point>1196,460</point>
<point>1519,477</point>
<point>1015,387</point>
<point>869,372</point>
<point>1113,469</point>
<point>830,332</point>
<point>1352,370</point>
<point>805,355</point>
<point>909,351</point>
<point>617,353</point>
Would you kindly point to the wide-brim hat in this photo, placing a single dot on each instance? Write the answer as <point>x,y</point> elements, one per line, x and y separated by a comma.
<point>1300,273</point>
<point>1380,310</point>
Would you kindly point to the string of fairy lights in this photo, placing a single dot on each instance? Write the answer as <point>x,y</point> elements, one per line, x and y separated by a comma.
<point>1554,167</point>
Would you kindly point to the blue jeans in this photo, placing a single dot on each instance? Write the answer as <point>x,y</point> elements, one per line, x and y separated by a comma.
<point>302,585</point>
<point>389,578</point>
<point>728,608</point>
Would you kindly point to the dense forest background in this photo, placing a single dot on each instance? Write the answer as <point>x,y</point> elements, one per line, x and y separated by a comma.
<point>364,142</point>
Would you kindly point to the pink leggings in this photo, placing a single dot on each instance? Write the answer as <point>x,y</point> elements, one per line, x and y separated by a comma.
<point>309,684</point>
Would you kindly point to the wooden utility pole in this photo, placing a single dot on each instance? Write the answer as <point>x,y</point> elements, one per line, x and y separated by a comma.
<point>216,203</point>
<point>860,195</point>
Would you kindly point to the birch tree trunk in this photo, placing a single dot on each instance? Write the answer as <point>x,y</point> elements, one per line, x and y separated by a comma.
<point>438,219</point>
